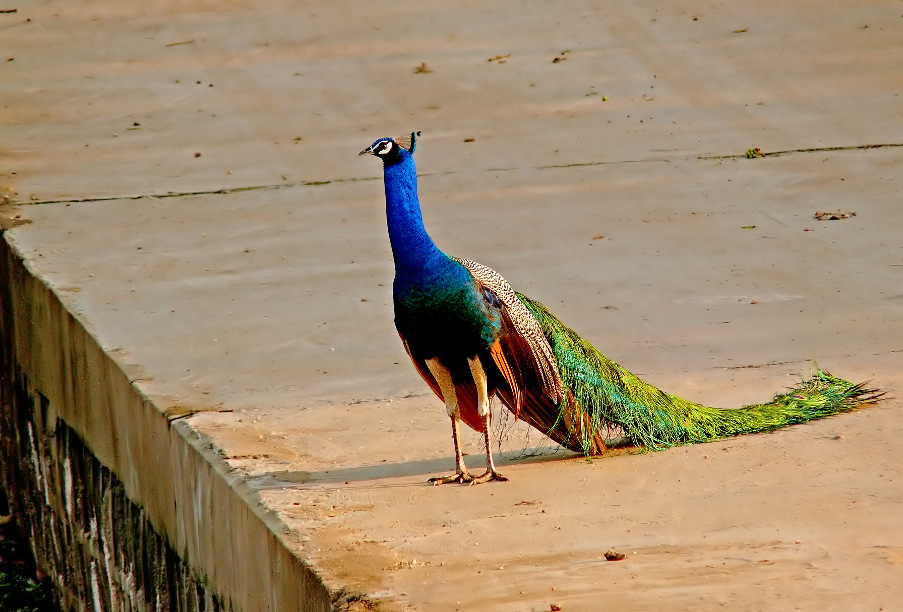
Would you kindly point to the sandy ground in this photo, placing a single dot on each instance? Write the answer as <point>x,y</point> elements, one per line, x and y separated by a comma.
<point>193,191</point>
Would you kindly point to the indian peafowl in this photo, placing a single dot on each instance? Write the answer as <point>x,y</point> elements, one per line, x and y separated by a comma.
<point>472,337</point>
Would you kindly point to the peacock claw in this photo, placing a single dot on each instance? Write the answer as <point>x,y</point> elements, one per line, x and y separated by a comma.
<point>462,477</point>
<point>489,475</point>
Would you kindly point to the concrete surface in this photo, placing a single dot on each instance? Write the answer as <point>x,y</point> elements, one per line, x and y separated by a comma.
<point>247,289</point>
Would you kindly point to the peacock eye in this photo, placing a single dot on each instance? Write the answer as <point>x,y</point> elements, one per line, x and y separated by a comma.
<point>385,148</point>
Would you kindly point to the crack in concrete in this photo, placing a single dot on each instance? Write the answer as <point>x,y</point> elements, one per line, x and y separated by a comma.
<point>607,163</point>
<point>810,150</point>
<point>183,194</point>
<point>757,366</point>
<point>275,186</point>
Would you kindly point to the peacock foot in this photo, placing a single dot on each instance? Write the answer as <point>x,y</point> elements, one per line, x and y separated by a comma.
<point>462,476</point>
<point>489,475</point>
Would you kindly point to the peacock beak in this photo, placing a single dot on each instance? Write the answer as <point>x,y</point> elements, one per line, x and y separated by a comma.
<point>367,151</point>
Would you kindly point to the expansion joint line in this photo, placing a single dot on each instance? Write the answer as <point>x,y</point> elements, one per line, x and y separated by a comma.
<point>751,153</point>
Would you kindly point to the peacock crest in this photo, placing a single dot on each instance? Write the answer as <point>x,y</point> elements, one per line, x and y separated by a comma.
<point>386,147</point>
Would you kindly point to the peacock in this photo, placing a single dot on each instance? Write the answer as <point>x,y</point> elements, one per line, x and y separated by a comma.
<point>472,337</point>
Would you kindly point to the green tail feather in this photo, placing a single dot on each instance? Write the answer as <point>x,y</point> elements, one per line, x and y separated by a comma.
<point>606,394</point>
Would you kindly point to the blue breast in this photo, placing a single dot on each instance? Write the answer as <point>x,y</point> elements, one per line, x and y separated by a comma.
<point>440,312</point>
<point>438,308</point>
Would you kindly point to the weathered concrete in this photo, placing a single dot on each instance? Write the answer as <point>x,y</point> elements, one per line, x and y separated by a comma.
<point>224,360</point>
<point>127,509</point>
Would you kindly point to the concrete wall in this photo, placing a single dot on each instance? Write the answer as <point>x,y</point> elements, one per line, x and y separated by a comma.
<point>125,508</point>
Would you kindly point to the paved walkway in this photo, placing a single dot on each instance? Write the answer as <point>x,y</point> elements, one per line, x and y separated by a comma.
<point>194,198</point>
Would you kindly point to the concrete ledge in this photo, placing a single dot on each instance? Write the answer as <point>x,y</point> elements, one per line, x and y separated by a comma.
<point>127,509</point>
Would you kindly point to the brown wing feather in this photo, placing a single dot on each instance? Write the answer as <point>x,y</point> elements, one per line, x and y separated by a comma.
<point>501,362</point>
<point>527,362</point>
<point>522,339</point>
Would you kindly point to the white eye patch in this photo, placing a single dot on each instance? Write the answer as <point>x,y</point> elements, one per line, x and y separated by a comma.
<point>385,148</point>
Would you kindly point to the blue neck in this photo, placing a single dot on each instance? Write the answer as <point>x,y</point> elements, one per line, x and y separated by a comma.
<point>412,247</point>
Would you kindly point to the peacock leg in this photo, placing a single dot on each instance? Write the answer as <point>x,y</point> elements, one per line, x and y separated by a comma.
<point>444,379</point>
<point>479,377</point>
<point>461,474</point>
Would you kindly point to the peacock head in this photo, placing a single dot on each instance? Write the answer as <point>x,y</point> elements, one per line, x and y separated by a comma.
<point>389,149</point>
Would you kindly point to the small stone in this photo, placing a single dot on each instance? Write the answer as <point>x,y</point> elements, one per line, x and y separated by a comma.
<point>612,555</point>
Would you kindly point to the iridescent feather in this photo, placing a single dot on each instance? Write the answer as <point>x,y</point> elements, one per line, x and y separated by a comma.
<point>601,393</point>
